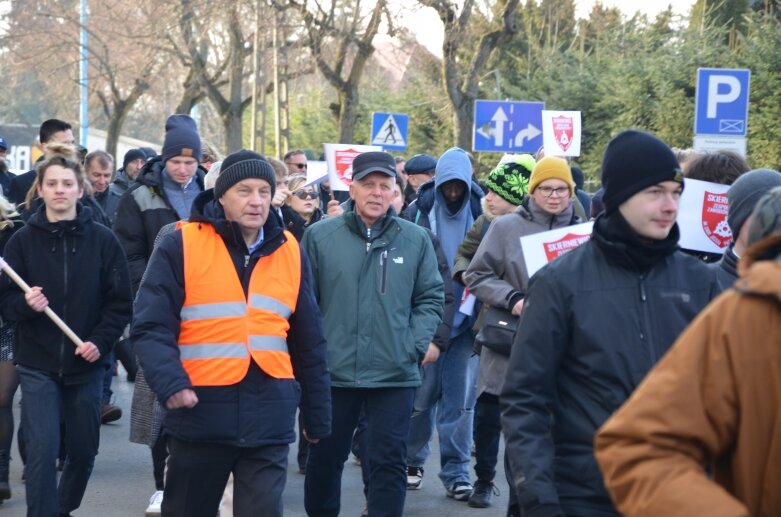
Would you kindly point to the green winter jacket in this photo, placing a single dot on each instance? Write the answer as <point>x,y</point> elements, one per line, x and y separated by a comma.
<point>381,296</point>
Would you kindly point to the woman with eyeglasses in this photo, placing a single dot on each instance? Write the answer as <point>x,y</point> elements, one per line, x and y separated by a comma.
<point>304,199</point>
<point>497,276</point>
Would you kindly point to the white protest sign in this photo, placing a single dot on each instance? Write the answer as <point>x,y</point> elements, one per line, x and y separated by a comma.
<point>316,171</point>
<point>541,248</point>
<point>561,132</point>
<point>339,158</point>
<point>702,217</point>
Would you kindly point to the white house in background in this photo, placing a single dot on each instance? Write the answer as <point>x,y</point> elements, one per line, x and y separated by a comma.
<point>23,148</point>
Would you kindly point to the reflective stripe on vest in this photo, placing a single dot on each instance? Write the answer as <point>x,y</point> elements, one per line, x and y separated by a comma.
<point>221,328</point>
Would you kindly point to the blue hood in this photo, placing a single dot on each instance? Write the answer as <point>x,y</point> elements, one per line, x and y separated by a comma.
<point>454,164</point>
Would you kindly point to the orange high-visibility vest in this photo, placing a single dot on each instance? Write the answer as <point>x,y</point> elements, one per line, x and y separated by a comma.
<point>221,328</point>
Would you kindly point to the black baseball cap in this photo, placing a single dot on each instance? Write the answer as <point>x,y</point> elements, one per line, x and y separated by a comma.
<point>373,161</point>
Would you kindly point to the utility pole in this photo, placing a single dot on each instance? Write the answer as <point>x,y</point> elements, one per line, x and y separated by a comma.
<point>255,80</point>
<point>84,91</point>
<point>281,108</point>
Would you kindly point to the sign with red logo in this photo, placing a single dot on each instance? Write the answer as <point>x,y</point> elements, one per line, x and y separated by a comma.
<point>561,132</point>
<point>714,218</point>
<point>339,158</point>
<point>702,217</point>
<point>563,129</point>
<point>541,248</point>
<point>569,242</point>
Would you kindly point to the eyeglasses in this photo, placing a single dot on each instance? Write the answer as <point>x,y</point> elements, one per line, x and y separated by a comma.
<point>301,166</point>
<point>303,194</point>
<point>550,191</point>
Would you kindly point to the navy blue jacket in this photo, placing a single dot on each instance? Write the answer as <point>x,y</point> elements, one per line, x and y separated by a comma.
<point>259,410</point>
<point>142,210</point>
<point>589,332</point>
<point>83,272</point>
<point>726,269</point>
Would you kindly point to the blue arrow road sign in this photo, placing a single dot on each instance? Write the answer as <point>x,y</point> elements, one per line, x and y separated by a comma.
<point>390,130</point>
<point>722,102</point>
<point>507,126</point>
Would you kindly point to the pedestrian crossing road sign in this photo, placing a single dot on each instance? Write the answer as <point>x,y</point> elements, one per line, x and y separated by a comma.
<point>390,130</point>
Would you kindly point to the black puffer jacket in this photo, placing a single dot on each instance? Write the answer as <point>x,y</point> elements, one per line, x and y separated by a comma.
<point>590,330</point>
<point>259,410</point>
<point>143,209</point>
<point>83,272</point>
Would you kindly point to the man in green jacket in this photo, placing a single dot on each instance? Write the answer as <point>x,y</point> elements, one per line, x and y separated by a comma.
<point>381,295</point>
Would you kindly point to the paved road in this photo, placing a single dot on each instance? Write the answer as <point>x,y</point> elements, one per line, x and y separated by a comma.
<point>122,481</point>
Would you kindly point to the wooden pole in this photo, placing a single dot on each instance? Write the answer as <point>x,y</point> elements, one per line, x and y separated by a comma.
<point>50,313</point>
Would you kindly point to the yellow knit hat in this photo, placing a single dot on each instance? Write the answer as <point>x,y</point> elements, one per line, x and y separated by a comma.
<point>551,167</point>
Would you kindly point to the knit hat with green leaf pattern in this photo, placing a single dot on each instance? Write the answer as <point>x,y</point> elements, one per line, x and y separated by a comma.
<point>510,180</point>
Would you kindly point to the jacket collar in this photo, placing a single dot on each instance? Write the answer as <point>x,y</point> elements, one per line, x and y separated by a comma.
<point>531,211</point>
<point>57,229</point>
<point>151,174</point>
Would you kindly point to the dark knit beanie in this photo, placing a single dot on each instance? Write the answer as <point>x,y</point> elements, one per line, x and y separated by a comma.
<point>633,161</point>
<point>181,138</point>
<point>421,164</point>
<point>243,165</point>
<point>510,180</point>
<point>766,217</point>
<point>745,193</point>
<point>133,154</point>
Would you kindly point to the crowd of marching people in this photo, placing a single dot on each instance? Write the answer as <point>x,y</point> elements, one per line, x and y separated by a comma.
<point>254,308</point>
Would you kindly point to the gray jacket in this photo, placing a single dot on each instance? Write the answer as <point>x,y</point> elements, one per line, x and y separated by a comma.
<point>497,275</point>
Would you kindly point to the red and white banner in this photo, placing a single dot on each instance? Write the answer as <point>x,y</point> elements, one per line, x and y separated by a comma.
<point>702,217</point>
<point>542,248</point>
<point>339,158</point>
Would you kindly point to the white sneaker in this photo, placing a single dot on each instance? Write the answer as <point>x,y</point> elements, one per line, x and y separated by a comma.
<point>155,504</point>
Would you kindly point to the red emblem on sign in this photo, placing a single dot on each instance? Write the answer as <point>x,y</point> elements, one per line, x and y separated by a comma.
<point>714,219</point>
<point>564,245</point>
<point>344,164</point>
<point>563,131</point>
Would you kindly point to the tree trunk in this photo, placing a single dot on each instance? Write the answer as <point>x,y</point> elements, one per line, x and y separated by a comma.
<point>231,121</point>
<point>115,123</point>
<point>463,117</point>
<point>348,114</point>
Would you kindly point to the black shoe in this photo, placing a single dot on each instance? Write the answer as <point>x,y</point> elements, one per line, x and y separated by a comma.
<point>481,495</point>
<point>5,488</point>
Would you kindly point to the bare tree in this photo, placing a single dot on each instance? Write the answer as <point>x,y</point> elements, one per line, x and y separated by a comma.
<point>44,37</point>
<point>461,76</point>
<point>339,29</point>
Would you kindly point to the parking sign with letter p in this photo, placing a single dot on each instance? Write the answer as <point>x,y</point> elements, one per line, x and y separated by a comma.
<point>722,102</point>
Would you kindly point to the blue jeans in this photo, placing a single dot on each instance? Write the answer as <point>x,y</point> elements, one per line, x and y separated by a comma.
<point>46,400</point>
<point>387,413</point>
<point>447,398</point>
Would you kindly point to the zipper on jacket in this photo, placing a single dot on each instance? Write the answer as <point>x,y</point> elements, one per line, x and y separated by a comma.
<point>384,266</point>
<point>646,334</point>
<point>65,303</point>
<point>246,261</point>
<point>368,239</point>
